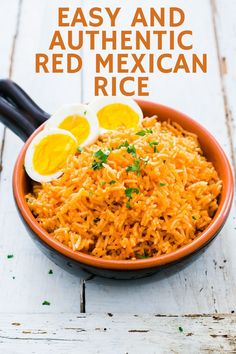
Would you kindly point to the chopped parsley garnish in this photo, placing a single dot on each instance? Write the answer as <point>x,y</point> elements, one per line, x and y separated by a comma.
<point>130,148</point>
<point>103,183</point>
<point>128,193</point>
<point>97,165</point>
<point>135,167</point>
<point>112,182</point>
<point>79,149</point>
<point>142,256</point>
<point>101,157</point>
<point>47,303</point>
<point>181,329</point>
<point>125,144</point>
<point>85,112</point>
<point>128,206</point>
<point>162,184</point>
<point>153,145</point>
<point>9,256</point>
<point>194,217</point>
<point>50,271</point>
<point>144,132</point>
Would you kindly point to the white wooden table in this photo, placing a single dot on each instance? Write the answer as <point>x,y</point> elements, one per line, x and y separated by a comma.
<point>94,315</point>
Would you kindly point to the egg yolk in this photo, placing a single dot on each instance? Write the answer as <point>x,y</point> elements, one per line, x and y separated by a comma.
<point>51,153</point>
<point>78,126</point>
<point>116,115</point>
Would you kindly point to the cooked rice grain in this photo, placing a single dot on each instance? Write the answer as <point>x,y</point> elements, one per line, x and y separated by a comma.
<point>89,210</point>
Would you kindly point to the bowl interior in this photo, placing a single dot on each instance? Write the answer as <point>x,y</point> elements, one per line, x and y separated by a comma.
<point>211,149</point>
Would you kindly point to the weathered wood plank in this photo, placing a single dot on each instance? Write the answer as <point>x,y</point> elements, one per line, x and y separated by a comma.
<point>208,284</point>
<point>9,29</point>
<point>91,333</point>
<point>224,14</point>
<point>7,42</point>
<point>24,279</point>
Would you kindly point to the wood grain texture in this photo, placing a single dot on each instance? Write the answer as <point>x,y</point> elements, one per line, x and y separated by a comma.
<point>9,28</point>
<point>208,284</point>
<point>224,15</point>
<point>24,279</point>
<point>119,333</point>
<point>7,43</point>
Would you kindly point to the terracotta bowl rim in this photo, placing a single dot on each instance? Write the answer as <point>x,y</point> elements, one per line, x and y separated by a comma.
<point>199,242</point>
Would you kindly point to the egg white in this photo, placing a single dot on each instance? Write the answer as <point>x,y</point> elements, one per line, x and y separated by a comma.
<point>28,163</point>
<point>100,102</point>
<point>79,109</point>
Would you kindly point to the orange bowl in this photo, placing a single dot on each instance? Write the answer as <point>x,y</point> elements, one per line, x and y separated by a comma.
<point>73,261</point>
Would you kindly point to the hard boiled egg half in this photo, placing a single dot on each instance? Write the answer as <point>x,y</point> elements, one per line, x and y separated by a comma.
<point>114,112</point>
<point>47,154</point>
<point>70,127</point>
<point>80,120</point>
<point>73,126</point>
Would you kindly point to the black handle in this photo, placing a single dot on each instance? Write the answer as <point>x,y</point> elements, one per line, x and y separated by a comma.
<point>18,111</point>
